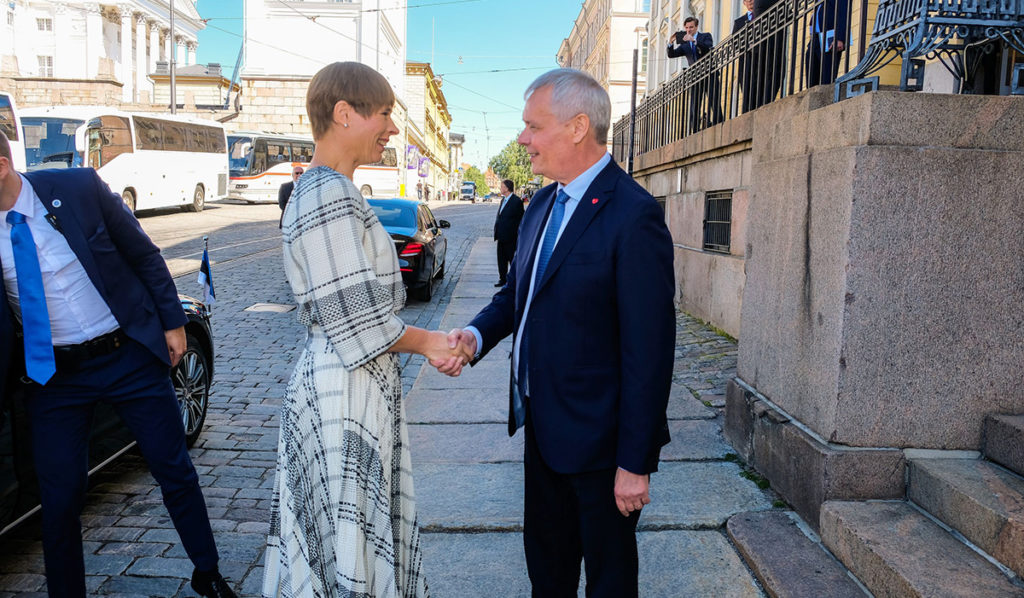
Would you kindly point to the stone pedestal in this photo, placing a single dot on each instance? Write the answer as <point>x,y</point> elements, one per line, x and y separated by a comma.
<point>882,307</point>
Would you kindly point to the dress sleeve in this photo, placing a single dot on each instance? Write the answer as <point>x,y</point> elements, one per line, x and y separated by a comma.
<point>350,276</point>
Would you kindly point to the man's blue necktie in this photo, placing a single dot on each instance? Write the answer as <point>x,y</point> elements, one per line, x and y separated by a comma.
<point>35,319</point>
<point>543,257</point>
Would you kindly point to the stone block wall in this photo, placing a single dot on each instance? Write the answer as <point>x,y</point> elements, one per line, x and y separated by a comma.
<point>29,91</point>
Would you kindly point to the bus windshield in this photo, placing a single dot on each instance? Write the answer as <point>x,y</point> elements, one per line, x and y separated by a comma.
<point>239,154</point>
<point>50,142</point>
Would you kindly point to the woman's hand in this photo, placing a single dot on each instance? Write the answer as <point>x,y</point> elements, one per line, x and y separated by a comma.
<point>447,360</point>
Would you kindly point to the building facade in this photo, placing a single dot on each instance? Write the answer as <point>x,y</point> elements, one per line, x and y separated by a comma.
<point>430,128</point>
<point>601,43</point>
<point>53,52</point>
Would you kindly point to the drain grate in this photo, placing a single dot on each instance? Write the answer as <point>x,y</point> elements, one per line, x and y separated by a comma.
<point>278,308</point>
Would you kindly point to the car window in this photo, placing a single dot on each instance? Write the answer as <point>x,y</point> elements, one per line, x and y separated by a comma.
<point>430,217</point>
<point>424,218</point>
<point>394,215</point>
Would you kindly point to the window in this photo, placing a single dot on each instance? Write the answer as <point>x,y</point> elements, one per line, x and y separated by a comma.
<point>643,56</point>
<point>302,152</point>
<point>148,135</point>
<point>7,119</point>
<point>388,158</point>
<point>109,137</point>
<point>45,66</point>
<point>10,18</point>
<point>717,220</point>
<point>278,152</point>
<point>175,137</point>
<point>44,24</point>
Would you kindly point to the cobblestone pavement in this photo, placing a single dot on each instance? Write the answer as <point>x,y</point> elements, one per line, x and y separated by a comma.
<point>468,472</point>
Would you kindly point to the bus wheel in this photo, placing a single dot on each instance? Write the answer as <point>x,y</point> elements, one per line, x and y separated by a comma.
<point>198,199</point>
<point>128,197</point>
<point>366,191</point>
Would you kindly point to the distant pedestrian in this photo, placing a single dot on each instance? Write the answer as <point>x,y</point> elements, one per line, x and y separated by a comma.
<point>285,192</point>
<point>506,228</point>
<point>343,518</point>
<point>419,190</point>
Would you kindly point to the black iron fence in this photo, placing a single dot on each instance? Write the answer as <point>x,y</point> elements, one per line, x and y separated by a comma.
<point>791,46</point>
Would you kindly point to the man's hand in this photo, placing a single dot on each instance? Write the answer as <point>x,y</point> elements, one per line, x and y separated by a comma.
<point>836,46</point>
<point>464,342</point>
<point>176,344</point>
<point>447,359</point>
<point>688,38</point>
<point>631,491</point>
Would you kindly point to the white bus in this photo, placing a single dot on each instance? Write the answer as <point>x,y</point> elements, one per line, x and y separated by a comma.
<point>152,160</point>
<point>262,162</point>
<point>10,125</point>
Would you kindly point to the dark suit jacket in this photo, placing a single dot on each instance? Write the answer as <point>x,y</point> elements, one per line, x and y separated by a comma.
<point>506,222</point>
<point>601,327</point>
<point>284,193</point>
<point>834,17</point>
<point>702,45</point>
<point>122,262</point>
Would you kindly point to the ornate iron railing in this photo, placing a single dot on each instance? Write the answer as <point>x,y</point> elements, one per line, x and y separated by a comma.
<point>769,57</point>
<point>957,32</point>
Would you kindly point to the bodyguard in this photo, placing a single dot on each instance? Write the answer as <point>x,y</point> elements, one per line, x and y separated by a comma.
<point>91,314</point>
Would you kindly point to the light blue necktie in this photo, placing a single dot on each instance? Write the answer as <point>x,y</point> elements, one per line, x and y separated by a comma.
<point>546,249</point>
<point>35,319</point>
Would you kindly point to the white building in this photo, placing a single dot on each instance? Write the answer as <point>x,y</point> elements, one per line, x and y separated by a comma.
<point>601,43</point>
<point>96,41</point>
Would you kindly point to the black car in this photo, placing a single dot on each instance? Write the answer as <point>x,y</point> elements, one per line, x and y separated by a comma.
<point>419,240</point>
<point>19,494</point>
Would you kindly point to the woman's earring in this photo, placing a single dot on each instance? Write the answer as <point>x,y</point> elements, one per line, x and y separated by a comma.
<point>344,125</point>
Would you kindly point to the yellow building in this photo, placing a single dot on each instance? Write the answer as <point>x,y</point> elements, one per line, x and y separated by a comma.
<point>428,129</point>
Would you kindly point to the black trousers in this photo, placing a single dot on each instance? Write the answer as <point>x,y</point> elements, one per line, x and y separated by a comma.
<point>136,383</point>
<point>506,251</point>
<point>573,517</point>
<point>822,67</point>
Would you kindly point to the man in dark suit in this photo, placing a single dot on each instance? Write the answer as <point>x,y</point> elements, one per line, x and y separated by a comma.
<point>762,68</point>
<point>694,45</point>
<point>828,35</point>
<point>284,193</point>
<point>506,228</point>
<point>90,313</point>
<point>589,300</point>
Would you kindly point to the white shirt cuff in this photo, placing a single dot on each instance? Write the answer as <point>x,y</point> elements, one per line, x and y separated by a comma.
<point>479,339</point>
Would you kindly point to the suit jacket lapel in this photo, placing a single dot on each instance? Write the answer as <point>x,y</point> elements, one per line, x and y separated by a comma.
<point>597,197</point>
<point>529,238</point>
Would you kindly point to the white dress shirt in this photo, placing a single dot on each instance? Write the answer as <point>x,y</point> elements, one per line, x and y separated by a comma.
<point>575,190</point>
<point>76,309</point>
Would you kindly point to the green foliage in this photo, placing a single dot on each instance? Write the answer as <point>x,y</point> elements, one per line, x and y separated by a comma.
<point>473,174</point>
<point>512,162</point>
<point>780,504</point>
<point>755,477</point>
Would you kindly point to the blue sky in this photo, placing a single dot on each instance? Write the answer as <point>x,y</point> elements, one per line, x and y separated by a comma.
<point>467,39</point>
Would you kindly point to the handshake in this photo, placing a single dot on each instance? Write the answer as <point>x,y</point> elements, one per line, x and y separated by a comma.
<point>450,352</point>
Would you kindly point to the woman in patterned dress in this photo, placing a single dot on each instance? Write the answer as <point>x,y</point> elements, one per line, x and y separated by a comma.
<point>343,521</point>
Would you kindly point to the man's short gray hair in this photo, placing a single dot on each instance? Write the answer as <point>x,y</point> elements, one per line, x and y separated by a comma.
<point>575,92</point>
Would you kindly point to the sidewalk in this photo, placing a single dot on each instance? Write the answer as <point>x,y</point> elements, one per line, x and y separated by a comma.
<point>469,476</point>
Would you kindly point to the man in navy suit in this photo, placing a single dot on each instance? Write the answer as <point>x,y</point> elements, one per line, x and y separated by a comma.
<point>506,228</point>
<point>828,34</point>
<point>694,45</point>
<point>589,300</point>
<point>91,313</point>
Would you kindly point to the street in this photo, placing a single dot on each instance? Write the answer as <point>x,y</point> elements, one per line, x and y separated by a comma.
<point>468,472</point>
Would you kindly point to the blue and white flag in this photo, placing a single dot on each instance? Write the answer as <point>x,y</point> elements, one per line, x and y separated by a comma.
<point>206,279</point>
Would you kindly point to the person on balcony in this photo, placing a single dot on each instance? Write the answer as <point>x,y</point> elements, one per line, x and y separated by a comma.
<point>694,45</point>
<point>829,30</point>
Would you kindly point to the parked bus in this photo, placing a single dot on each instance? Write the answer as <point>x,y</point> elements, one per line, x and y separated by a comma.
<point>152,160</point>
<point>261,162</point>
<point>10,125</point>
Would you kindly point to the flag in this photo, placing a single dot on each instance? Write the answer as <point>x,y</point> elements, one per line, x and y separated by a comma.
<point>206,279</point>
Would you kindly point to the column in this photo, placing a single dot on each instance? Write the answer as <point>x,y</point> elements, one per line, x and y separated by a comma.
<point>190,52</point>
<point>168,45</point>
<point>93,39</point>
<point>155,50</point>
<point>141,64</point>
<point>179,50</point>
<point>125,69</point>
<point>65,59</point>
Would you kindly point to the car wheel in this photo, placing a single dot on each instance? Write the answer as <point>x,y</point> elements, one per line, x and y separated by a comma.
<point>366,191</point>
<point>191,378</point>
<point>198,199</point>
<point>128,197</point>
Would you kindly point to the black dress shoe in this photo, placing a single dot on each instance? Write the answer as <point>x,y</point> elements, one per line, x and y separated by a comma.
<point>211,585</point>
<point>500,283</point>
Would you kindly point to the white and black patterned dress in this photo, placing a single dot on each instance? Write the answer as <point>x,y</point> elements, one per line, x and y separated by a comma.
<point>343,522</point>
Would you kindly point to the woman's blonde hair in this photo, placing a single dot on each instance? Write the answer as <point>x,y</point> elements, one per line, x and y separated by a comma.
<point>363,88</point>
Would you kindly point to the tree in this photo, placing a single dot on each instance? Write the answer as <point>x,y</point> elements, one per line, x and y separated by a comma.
<point>473,174</point>
<point>512,162</point>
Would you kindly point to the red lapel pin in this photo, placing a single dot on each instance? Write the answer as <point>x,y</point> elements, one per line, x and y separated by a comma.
<point>593,201</point>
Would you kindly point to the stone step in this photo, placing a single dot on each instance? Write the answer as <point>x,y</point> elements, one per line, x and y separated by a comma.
<point>786,561</point>
<point>898,552</point>
<point>1004,441</point>
<point>981,500</point>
